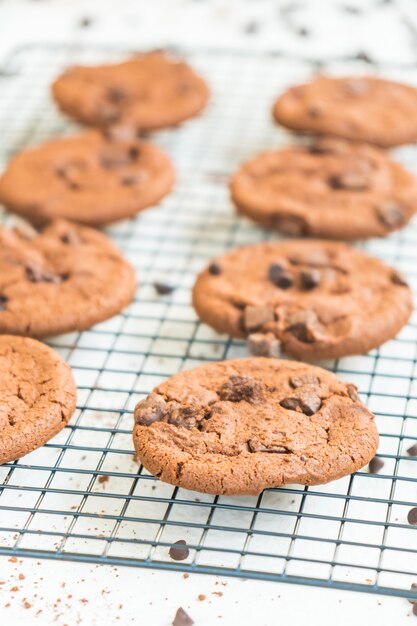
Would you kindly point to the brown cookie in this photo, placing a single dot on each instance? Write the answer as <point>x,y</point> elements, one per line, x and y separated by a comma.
<point>87,178</point>
<point>367,109</point>
<point>147,92</point>
<point>333,189</point>
<point>63,279</point>
<point>238,427</point>
<point>37,396</point>
<point>320,299</point>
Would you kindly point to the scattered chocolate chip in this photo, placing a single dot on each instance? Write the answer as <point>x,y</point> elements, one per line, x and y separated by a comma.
<point>163,289</point>
<point>375,465</point>
<point>292,225</point>
<point>398,279</point>
<point>240,388</point>
<point>150,410</point>
<point>314,110</point>
<point>182,618</point>
<point>352,392</point>
<point>256,446</point>
<point>214,269</point>
<point>179,551</point>
<point>412,516</point>
<point>307,401</point>
<point>355,87</point>
<point>264,344</point>
<point>255,316</point>
<point>412,451</point>
<point>3,303</point>
<point>349,180</point>
<point>299,380</point>
<point>274,272</point>
<point>37,275</point>
<point>310,278</point>
<point>390,213</point>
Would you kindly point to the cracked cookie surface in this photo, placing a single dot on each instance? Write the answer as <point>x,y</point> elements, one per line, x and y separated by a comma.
<point>88,178</point>
<point>63,279</point>
<point>367,109</point>
<point>37,395</point>
<point>320,299</point>
<point>332,188</point>
<point>238,427</point>
<point>146,92</point>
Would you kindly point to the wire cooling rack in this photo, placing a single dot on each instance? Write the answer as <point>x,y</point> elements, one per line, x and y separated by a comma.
<point>83,496</point>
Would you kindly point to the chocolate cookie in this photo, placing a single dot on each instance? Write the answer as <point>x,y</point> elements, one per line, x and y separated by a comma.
<point>63,279</point>
<point>366,109</point>
<point>147,92</point>
<point>332,189</point>
<point>37,395</point>
<point>318,299</point>
<point>238,427</point>
<point>88,178</point>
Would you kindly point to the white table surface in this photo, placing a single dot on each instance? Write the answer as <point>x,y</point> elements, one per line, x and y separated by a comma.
<point>75,593</point>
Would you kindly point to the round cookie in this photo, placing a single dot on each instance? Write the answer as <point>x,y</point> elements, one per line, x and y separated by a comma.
<point>333,189</point>
<point>319,299</point>
<point>146,92</point>
<point>37,395</point>
<point>63,279</point>
<point>367,109</point>
<point>89,178</point>
<point>238,427</point>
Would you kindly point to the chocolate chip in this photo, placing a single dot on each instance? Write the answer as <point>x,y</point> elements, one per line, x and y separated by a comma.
<point>390,214</point>
<point>375,465</point>
<point>163,289</point>
<point>256,446</point>
<point>412,516</point>
<point>292,225</point>
<point>302,325</point>
<point>274,272</point>
<point>285,280</point>
<point>307,401</point>
<point>214,269</point>
<point>37,275</point>
<point>186,416</point>
<point>310,278</point>
<point>150,410</point>
<point>255,316</point>
<point>412,451</point>
<point>299,380</point>
<point>398,279</point>
<point>240,388</point>
<point>179,551</point>
<point>264,344</point>
<point>352,392</point>
<point>182,618</point>
<point>3,303</point>
<point>349,180</point>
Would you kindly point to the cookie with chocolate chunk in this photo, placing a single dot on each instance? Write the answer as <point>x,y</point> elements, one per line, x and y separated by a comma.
<point>333,189</point>
<point>368,109</point>
<point>238,427</point>
<point>91,178</point>
<point>319,299</point>
<point>37,395</point>
<point>145,92</point>
<point>62,279</point>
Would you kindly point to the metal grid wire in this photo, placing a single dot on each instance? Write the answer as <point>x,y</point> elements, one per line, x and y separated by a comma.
<point>82,496</point>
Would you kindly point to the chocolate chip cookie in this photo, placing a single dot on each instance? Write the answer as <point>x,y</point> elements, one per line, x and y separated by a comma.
<point>367,109</point>
<point>333,189</point>
<point>62,279</point>
<point>89,178</point>
<point>146,92</point>
<point>37,395</point>
<point>238,427</point>
<point>317,299</point>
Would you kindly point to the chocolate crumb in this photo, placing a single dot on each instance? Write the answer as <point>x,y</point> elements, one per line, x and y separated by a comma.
<point>412,516</point>
<point>375,465</point>
<point>182,618</point>
<point>163,288</point>
<point>201,597</point>
<point>398,279</point>
<point>103,479</point>
<point>179,551</point>
<point>214,269</point>
<point>412,451</point>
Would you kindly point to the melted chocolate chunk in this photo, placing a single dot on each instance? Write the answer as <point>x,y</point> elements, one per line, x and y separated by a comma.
<point>390,214</point>
<point>299,380</point>
<point>301,325</point>
<point>214,269</point>
<point>255,316</point>
<point>179,551</point>
<point>285,280</point>
<point>307,402</point>
<point>398,279</point>
<point>240,388</point>
<point>310,278</point>
<point>375,465</point>
<point>152,409</point>
<point>186,416</point>
<point>3,303</point>
<point>274,272</point>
